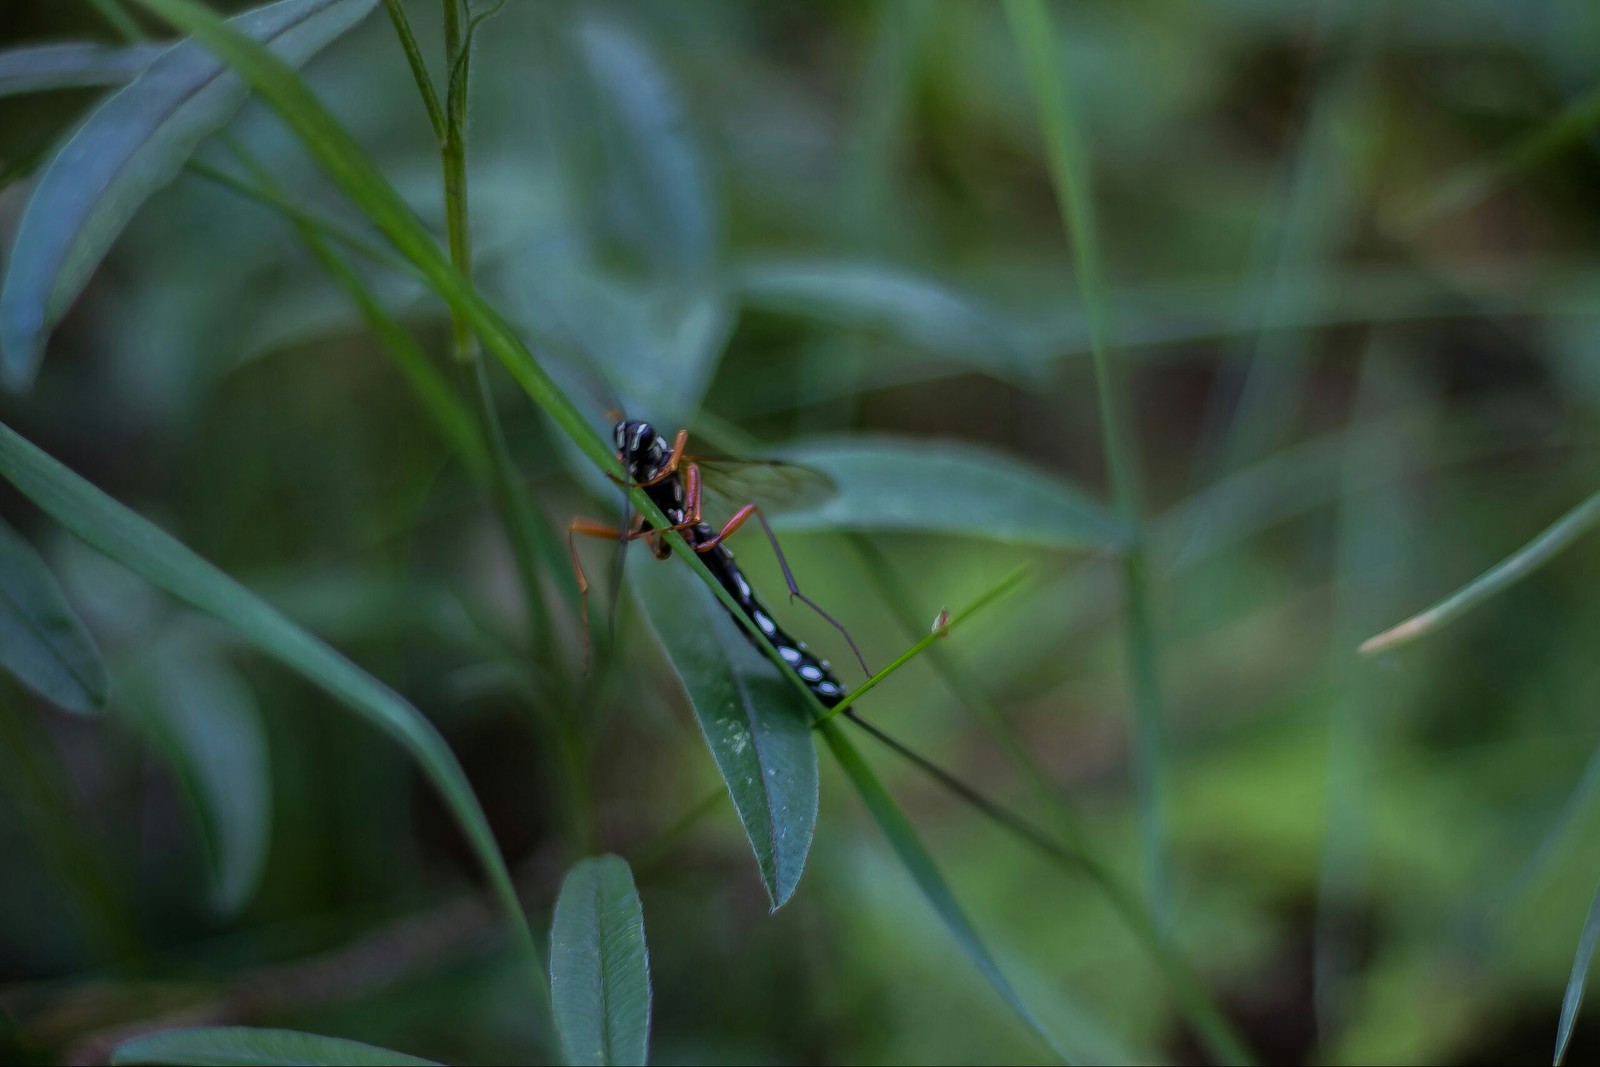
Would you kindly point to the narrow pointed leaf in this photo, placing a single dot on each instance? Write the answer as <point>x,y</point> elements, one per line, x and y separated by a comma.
<point>599,966</point>
<point>754,721</point>
<point>249,1046</point>
<point>205,720</point>
<point>1524,561</point>
<point>946,487</point>
<point>1573,997</point>
<point>72,65</point>
<point>132,145</point>
<point>42,643</point>
<point>162,560</point>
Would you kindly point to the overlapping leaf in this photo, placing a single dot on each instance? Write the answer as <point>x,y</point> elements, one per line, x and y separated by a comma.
<point>132,145</point>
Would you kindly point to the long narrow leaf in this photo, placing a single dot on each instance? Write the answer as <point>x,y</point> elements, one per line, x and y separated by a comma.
<point>205,719</point>
<point>1573,997</point>
<point>1492,582</point>
<point>753,722</point>
<point>42,643</point>
<point>599,966</point>
<point>132,145</point>
<point>160,559</point>
<point>899,303</point>
<point>906,485</point>
<point>72,65</point>
<point>249,1046</point>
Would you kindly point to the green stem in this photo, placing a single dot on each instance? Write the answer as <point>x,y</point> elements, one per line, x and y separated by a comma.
<point>1006,585</point>
<point>1069,174</point>
<point>453,157</point>
<point>1047,794</point>
<point>419,68</point>
<point>119,19</point>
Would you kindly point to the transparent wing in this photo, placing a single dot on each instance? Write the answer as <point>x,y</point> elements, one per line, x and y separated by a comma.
<point>776,485</point>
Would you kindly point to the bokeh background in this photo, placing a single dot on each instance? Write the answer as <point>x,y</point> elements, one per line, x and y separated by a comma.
<point>1353,258</point>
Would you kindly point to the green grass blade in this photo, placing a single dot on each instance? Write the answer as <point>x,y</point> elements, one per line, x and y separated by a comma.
<point>920,865</point>
<point>599,965</point>
<point>42,643</point>
<point>1572,998</point>
<point>161,560</point>
<point>906,485</point>
<point>1006,585</point>
<point>754,723</point>
<point>1069,173</point>
<point>132,145</point>
<point>249,1046</point>
<point>1497,579</point>
<point>72,65</point>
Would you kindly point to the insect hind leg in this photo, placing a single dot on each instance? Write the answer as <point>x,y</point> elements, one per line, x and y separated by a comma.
<point>743,515</point>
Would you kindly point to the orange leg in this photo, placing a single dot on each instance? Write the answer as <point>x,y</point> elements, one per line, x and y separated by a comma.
<point>739,518</point>
<point>590,528</point>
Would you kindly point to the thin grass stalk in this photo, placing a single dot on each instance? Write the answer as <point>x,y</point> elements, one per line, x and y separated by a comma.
<point>1069,172</point>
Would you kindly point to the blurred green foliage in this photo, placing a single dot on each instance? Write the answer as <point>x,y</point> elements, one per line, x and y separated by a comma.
<point>1355,286</point>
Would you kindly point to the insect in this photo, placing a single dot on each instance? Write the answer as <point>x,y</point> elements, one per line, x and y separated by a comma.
<point>673,481</point>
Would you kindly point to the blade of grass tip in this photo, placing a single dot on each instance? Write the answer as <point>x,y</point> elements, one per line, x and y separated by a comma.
<point>165,562</point>
<point>1069,173</point>
<point>1573,997</point>
<point>1492,582</point>
<point>1006,585</point>
<point>920,865</point>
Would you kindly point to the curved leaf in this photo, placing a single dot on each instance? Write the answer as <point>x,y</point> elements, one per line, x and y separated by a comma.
<point>162,560</point>
<point>42,643</point>
<point>898,303</point>
<point>72,65</point>
<point>249,1046</point>
<point>756,724</point>
<point>946,487</point>
<point>132,145</point>
<point>599,966</point>
<point>664,189</point>
<point>205,719</point>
